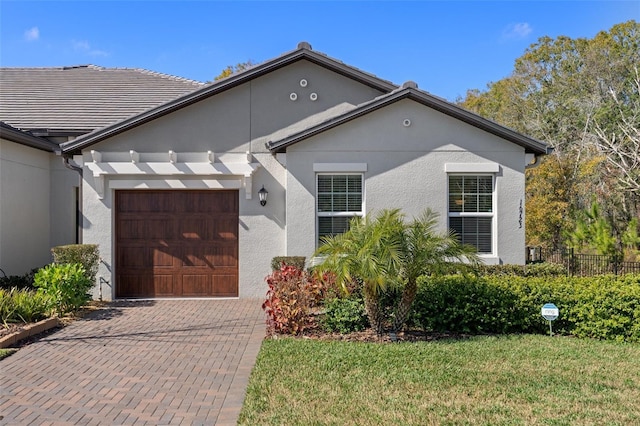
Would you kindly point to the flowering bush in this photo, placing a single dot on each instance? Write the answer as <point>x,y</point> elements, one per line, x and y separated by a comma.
<point>292,293</point>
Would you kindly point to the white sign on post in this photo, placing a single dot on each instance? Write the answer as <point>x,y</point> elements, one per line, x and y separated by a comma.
<point>550,312</point>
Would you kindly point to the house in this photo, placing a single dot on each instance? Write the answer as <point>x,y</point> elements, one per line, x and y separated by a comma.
<point>39,109</point>
<point>172,194</point>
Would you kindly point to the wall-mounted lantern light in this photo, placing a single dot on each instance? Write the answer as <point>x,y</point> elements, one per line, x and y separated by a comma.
<point>263,196</point>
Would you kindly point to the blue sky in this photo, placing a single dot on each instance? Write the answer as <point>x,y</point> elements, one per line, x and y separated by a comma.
<point>446,47</point>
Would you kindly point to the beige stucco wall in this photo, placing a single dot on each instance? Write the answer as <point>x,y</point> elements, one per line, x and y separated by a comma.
<point>24,208</point>
<point>406,169</point>
<point>234,121</point>
<point>37,206</point>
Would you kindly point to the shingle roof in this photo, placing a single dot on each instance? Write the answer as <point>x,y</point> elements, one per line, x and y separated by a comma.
<point>82,98</point>
<point>409,90</point>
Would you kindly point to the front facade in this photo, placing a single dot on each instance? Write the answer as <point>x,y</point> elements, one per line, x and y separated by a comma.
<point>171,194</point>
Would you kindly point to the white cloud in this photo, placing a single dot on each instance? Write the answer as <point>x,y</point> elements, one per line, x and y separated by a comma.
<point>84,47</point>
<point>518,30</point>
<point>32,34</point>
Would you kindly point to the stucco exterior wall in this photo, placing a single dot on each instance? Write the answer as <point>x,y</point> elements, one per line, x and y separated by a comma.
<point>234,121</point>
<point>24,208</point>
<point>64,184</point>
<point>405,168</point>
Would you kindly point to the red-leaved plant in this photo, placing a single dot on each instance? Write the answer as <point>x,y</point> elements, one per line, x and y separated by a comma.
<point>291,295</point>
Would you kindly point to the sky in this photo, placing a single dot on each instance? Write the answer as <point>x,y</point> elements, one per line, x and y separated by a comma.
<point>447,47</point>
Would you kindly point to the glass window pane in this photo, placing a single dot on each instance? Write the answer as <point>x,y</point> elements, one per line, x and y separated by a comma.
<point>324,183</point>
<point>485,203</point>
<point>354,183</point>
<point>470,184</point>
<point>470,203</point>
<point>354,203</point>
<point>484,225</point>
<point>455,184</point>
<point>455,202</point>
<point>455,223</point>
<point>339,202</point>
<point>324,203</point>
<point>339,183</point>
<point>485,184</point>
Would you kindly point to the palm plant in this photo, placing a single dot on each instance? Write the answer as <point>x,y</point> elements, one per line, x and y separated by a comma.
<point>426,252</point>
<point>370,253</point>
<point>385,252</point>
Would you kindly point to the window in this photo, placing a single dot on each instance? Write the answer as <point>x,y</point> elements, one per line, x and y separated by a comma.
<point>471,210</point>
<point>339,198</point>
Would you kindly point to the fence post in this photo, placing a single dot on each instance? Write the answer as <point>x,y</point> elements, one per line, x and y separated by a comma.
<point>572,260</point>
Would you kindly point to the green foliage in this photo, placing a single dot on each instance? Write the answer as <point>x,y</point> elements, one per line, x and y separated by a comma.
<point>604,307</point>
<point>20,305</point>
<point>297,261</point>
<point>66,284</point>
<point>85,254</point>
<point>581,96</point>
<point>19,281</point>
<point>344,315</point>
<point>384,253</point>
<point>464,304</point>
<point>233,69</point>
<point>545,269</point>
<point>291,295</point>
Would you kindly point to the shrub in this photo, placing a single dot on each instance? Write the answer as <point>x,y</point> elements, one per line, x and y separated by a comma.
<point>604,307</point>
<point>67,284</point>
<point>85,254</point>
<point>464,304</point>
<point>530,270</point>
<point>297,261</point>
<point>291,295</point>
<point>344,315</point>
<point>23,306</point>
<point>21,282</point>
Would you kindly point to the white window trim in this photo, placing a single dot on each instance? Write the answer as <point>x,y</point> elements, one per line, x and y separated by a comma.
<point>488,258</point>
<point>336,214</point>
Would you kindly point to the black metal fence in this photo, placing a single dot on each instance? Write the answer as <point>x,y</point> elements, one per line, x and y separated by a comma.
<point>583,265</point>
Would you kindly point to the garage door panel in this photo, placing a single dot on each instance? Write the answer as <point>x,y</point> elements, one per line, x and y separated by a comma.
<point>196,285</point>
<point>164,285</point>
<point>226,285</point>
<point>176,243</point>
<point>135,285</point>
<point>133,257</point>
<point>194,228</point>
<point>163,258</point>
<point>160,229</point>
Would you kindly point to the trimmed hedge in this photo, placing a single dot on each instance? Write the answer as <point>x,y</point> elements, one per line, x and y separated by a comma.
<point>85,254</point>
<point>605,307</point>
<point>530,270</point>
<point>297,261</point>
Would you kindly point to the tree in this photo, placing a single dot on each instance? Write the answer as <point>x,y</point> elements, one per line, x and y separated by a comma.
<point>580,96</point>
<point>388,253</point>
<point>233,69</point>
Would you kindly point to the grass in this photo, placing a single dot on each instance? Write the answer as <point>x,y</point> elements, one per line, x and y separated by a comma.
<point>514,380</point>
<point>6,352</point>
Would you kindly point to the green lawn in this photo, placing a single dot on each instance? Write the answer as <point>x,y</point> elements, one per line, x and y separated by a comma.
<point>485,380</point>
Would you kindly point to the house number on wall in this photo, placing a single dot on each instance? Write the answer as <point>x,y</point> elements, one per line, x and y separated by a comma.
<point>521,214</point>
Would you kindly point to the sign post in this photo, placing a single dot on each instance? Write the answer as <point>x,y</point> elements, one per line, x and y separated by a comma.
<point>550,312</point>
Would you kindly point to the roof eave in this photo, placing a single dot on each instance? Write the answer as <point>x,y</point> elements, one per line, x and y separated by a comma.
<point>226,84</point>
<point>15,135</point>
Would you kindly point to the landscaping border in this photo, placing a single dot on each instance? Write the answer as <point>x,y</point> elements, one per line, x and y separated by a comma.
<point>28,331</point>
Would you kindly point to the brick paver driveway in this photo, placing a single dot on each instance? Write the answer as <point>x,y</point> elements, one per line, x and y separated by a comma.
<point>144,362</point>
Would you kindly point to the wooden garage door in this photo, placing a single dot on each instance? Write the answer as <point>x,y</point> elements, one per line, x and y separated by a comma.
<point>176,243</point>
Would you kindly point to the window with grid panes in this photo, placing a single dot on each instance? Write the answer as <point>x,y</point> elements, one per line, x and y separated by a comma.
<point>339,198</point>
<point>471,210</point>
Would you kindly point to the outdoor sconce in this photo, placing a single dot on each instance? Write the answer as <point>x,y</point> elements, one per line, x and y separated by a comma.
<point>263,196</point>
